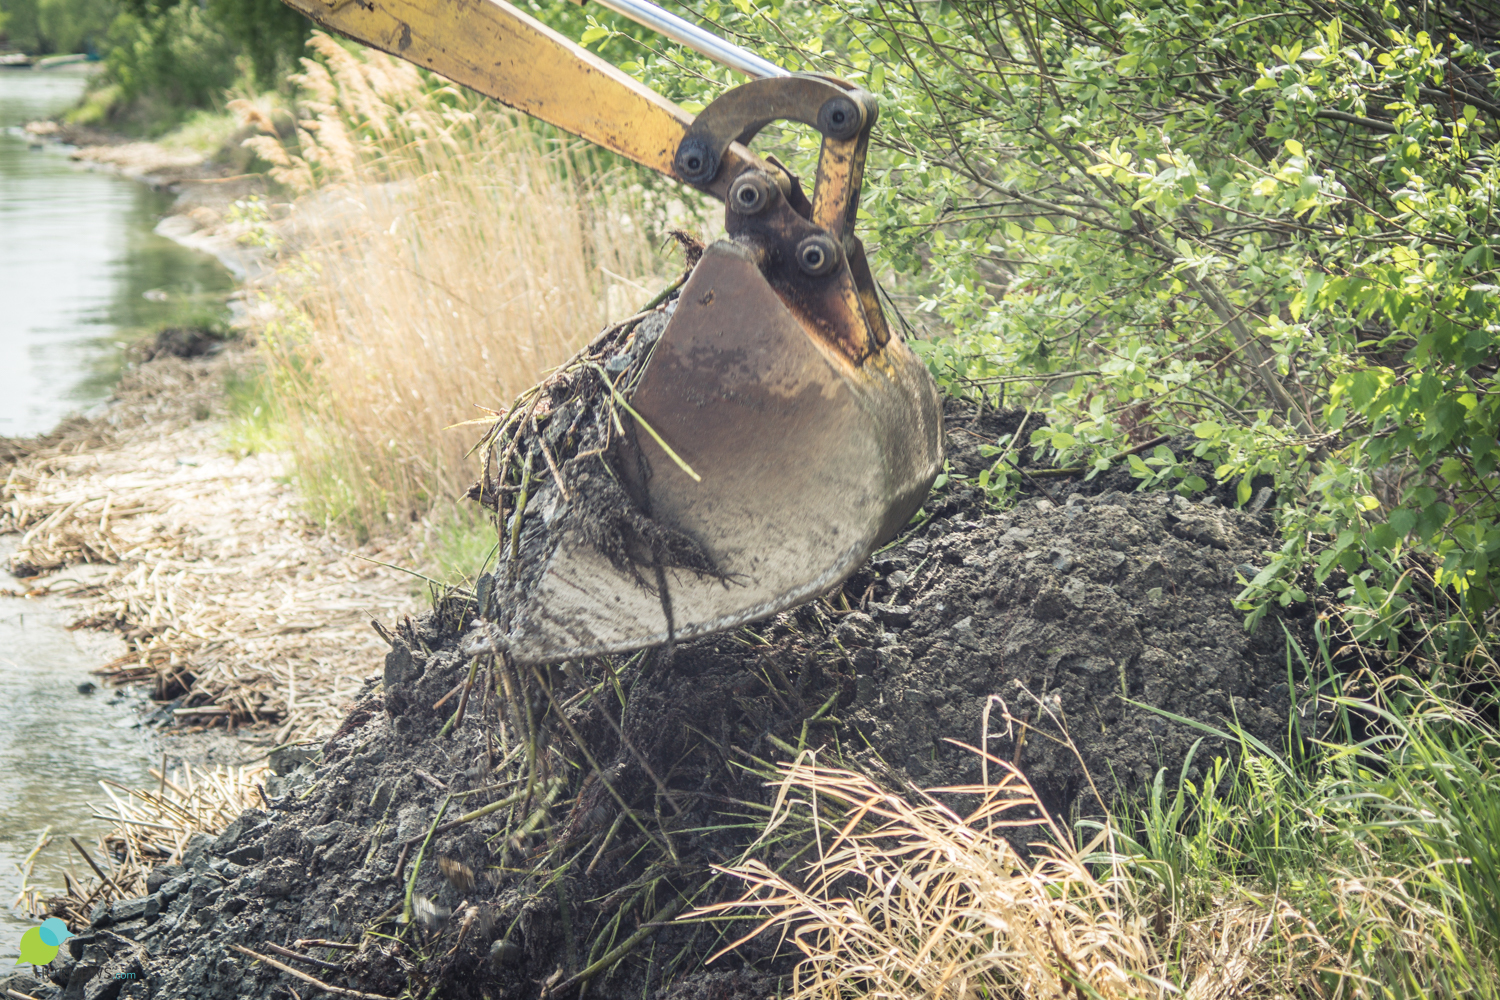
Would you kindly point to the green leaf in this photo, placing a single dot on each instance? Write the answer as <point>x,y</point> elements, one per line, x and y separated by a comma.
<point>1430,520</point>
<point>1311,282</point>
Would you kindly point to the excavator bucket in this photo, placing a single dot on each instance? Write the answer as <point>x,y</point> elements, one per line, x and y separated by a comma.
<point>777,432</point>
<point>806,462</point>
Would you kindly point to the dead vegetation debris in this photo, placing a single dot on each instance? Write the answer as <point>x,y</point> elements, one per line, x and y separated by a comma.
<point>234,610</point>
<point>474,827</point>
<point>571,437</point>
<point>156,830</point>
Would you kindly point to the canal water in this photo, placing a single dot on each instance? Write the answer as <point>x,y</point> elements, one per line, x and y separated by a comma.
<point>56,744</point>
<point>82,272</point>
<point>78,256</point>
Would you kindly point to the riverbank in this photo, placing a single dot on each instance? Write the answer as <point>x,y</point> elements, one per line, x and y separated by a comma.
<point>141,526</point>
<point>461,828</point>
<point>83,276</point>
<point>205,183</point>
<point>509,846</point>
<point>232,625</point>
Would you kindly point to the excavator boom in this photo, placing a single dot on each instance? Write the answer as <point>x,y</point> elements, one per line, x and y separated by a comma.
<point>491,47</point>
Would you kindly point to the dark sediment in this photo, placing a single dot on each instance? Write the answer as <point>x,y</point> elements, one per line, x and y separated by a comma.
<point>1061,615</point>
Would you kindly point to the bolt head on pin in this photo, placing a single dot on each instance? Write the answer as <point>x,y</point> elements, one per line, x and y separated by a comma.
<point>817,255</point>
<point>695,162</point>
<point>751,193</point>
<point>840,118</point>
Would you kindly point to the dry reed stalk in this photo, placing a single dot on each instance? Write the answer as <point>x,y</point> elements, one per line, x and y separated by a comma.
<point>909,900</point>
<point>449,252</point>
<point>28,899</point>
<point>201,562</point>
<point>150,827</point>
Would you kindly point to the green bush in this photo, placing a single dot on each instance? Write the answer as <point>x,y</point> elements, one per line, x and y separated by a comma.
<point>267,32</point>
<point>52,26</point>
<point>18,25</point>
<point>167,61</point>
<point>74,25</point>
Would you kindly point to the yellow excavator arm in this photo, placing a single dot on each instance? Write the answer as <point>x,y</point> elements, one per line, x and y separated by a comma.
<point>491,47</point>
<point>812,433</point>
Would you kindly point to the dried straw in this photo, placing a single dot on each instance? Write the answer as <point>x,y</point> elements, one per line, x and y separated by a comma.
<point>907,899</point>
<point>443,252</point>
<point>149,827</point>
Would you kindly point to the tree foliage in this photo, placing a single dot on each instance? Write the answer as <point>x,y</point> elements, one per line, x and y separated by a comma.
<point>166,61</point>
<point>48,26</point>
<point>165,57</point>
<point>184,54</point>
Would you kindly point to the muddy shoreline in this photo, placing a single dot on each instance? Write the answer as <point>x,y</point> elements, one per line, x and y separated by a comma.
<point>206,188</point>
<point>1041,633</point>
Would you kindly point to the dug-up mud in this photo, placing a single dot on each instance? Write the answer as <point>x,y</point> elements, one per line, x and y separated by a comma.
<point>539,833</point>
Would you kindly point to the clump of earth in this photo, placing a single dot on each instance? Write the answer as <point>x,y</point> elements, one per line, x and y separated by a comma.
<point>1064,621</point>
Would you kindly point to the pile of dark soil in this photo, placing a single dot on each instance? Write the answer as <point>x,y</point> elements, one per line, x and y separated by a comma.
<point>614,785</point>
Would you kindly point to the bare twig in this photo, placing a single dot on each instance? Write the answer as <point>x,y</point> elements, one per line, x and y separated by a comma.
<point>310,980</point>
<point>278,949</point>
<point>321,943</point>
<point>97,870</point>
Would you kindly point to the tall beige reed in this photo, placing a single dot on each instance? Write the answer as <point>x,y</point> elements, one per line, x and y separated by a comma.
<point>443,252</point>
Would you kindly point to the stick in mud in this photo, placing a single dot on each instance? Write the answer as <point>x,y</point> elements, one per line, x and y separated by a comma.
<point>312,980</point>
<point>320,943</point>
<point>650,927</point>
<point>97,870</point>
<point>287,952</point>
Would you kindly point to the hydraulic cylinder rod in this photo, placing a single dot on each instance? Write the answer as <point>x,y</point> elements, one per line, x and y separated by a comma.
<point>647,14</point>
